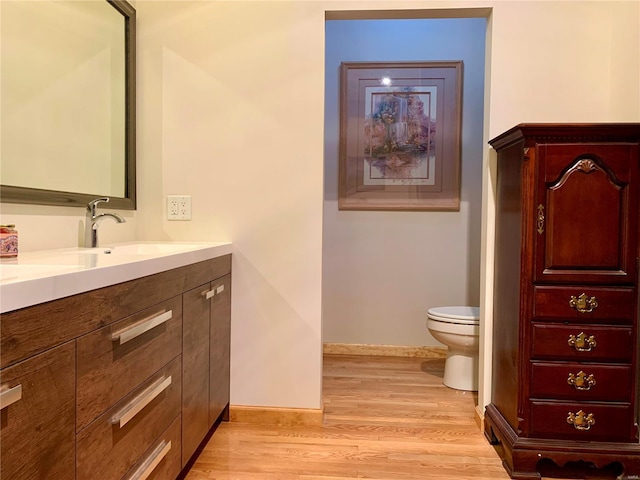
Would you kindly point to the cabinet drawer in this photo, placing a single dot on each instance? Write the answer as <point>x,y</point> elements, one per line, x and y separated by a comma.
<point>612,344</point>
<point>614,304</point>
<point>118,439</point>
<point>116,359</point>
<point>37,431</point>
<point>162,460</point>
<point>580,381</point>
<point>612,423</point>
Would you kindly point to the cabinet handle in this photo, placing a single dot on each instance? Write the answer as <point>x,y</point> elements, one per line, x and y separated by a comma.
<point>137,329</point>
<point>213,292</point>
<point>581,381</point>
<point>581,420</point>
<point>583,303</point>
<point>141,401</point>
<point>540,219</point>
<point>10,395</point>
<point>581,342</point>
<point>155,457</point>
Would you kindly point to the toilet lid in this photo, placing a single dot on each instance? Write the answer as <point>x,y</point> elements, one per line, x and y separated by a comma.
<point>462,315</point>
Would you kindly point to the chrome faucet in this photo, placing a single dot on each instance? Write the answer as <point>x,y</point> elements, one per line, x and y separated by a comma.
<point>92,221</point>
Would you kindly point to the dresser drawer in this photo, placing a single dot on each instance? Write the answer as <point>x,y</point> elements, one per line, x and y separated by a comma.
<point>114,360</point>
<point>580,381</point>
<point>584,304</point>
<point>162,460</point>
<point>552,341</point>
<point>114,442</point>
<point>611,422</point>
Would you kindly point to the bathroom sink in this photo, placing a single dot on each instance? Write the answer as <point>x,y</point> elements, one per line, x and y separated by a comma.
<point>141,248</point>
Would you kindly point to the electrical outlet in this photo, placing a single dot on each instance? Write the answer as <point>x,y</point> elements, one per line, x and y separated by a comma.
<point>178,207</point>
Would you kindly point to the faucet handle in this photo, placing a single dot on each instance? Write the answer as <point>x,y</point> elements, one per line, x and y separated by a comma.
<point>91,206</point>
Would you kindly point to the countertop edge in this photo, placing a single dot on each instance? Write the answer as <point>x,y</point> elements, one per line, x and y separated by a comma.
<point>18,295</point>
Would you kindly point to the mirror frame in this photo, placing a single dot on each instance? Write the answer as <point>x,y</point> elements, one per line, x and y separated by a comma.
<point>37,196</point>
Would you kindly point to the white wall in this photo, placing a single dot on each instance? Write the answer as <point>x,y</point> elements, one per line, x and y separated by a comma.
<point>231,111</point>
<point>382,270</point>
<point>231,107</point>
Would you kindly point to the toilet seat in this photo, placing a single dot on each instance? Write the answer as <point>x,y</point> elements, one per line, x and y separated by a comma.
<point>456,315</point>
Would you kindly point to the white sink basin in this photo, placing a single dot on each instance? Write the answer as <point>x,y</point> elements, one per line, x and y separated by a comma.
<point>142,248</point>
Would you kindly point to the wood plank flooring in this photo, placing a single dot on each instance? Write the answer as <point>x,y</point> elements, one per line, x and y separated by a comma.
<point>385,418</point>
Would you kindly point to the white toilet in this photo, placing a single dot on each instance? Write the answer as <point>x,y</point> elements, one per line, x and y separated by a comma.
<point>459,329</point>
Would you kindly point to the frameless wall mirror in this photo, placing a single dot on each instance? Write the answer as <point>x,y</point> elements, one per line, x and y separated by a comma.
<point>67,106</point>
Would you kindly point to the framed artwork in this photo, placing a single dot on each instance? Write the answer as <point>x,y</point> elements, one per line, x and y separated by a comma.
<point>400,129</point>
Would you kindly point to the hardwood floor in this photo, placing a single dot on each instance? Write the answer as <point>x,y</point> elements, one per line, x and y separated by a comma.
<point>385,418</point>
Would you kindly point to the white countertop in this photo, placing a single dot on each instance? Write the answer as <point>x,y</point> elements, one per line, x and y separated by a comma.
<point>38,277</point>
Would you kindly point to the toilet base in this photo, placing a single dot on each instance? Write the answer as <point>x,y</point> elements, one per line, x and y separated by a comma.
<point>461,371</point>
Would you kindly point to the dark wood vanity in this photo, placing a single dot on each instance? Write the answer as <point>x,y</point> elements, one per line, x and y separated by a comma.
<point>127,380</point>
<point>565,334</point>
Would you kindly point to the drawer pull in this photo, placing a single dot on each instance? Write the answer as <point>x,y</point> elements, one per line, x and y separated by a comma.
<point>583,303</point>
<point>219,289</point>
<point>581,342</point>
<point>147,467</point>
<point>137,329</point>
<point>10,395</point>
<point>581,381</point>
<point>141,401</point>
<point>581,420</point>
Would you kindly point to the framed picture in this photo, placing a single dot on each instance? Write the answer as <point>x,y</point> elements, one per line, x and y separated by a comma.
<point>400,135</point>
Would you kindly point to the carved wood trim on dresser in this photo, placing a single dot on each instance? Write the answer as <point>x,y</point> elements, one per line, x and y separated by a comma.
<point>94,382</point>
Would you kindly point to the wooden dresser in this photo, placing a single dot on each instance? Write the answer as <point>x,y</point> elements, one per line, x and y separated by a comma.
<point>565,341</point>
<point>123,382</point>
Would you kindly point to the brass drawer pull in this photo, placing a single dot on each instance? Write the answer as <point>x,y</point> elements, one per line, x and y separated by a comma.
<point>581,420</point>
<point>581,342</point>
<point>137,329</point>
<point>10,395</point>
<point>581,381</point>
<point>583,303</point>
<point>149,465</point>
<point>139,402</point>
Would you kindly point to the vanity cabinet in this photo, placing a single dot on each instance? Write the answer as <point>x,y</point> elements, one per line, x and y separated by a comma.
<point>565,336</point>
<point>113,380</point>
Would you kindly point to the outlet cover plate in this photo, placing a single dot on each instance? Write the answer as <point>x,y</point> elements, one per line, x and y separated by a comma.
<point>178,207</point>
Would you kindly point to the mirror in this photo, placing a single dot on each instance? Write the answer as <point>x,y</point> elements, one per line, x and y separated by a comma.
<point>67,102</point>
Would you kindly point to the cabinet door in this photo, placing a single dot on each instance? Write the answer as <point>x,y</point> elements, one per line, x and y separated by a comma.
<point>195,369</point>
<point>37,436</point>
<point>220,348</point>
<point>587,213</point>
